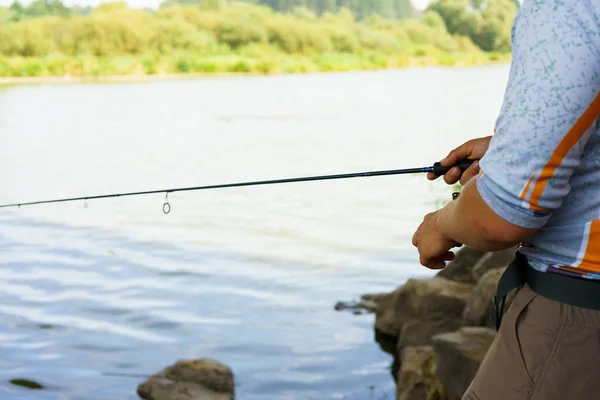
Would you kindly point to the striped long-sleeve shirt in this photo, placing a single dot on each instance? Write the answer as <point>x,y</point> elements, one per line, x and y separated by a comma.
<point>542,169</point>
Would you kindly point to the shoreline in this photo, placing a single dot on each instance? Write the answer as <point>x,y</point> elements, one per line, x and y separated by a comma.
<point>166,77</point>
<point>24,80</point>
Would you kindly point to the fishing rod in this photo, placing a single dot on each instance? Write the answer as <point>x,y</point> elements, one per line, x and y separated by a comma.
<point>437,169</point>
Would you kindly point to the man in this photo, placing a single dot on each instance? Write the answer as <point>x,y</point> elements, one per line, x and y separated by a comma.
<point>538,184</point>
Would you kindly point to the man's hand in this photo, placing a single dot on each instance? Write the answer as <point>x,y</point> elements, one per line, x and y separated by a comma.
<point>471,150</point>
<point>433,246</point>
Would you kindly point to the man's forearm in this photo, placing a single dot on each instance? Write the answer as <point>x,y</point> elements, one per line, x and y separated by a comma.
<point>469,220</point>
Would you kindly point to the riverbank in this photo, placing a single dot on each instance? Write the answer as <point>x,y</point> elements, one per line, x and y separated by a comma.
<point>70,73</point>
<point>113,41</point>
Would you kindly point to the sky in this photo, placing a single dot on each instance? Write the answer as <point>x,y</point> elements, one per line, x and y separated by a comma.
<point>420,4</point>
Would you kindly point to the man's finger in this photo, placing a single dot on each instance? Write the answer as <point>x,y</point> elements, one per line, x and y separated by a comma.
<point>433,263</point>
<point>449,256</point>
<point>452,176</point>
<point>456,155</point>
<point>437,262</point>
<point>470,173</point>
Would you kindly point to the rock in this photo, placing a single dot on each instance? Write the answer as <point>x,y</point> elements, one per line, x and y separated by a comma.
<point>421,298</point>
<point>493,260</point>
<point>418,332</point>
<point>458,356</point>
<point>387,343</point>
<point>461,268</point>
<point>202,379</point>
<point>478,309</point>
<point>417,378</point>
<point>374,298</point>
<point>369,306</point>
<point>27,383</point>
<point>434,312</point>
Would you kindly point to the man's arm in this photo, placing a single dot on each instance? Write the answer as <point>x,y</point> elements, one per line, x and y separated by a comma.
<point>549,113</point>
<point>469,220</point>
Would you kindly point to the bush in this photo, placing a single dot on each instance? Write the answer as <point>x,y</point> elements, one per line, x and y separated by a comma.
<point>374,40</point>
<point>241,66</point>
<point>180,35</point>
<point>27,39</point>
<point>294,36</point>
<point>434,20</point>
<point>183,65</point>
<point>116,32</point>
<point>418,32</point>
<point>344,40</point>
<point>265,67</point>
<point>242,31</point>
<point>206,66</point>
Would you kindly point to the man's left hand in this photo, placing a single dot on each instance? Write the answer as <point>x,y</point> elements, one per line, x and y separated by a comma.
<point>433,246</point>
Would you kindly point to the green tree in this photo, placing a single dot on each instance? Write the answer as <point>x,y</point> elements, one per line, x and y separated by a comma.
<point>18,11</point>
<point>486,22</point>
<point>41,8</point>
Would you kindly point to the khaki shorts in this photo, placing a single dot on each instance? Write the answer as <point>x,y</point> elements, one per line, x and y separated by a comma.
<point>544,351</point>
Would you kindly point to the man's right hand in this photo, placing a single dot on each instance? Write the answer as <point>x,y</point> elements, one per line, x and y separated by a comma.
<point>472,150</point>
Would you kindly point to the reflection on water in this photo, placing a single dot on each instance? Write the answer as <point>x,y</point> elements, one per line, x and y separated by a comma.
<point>92,298</point>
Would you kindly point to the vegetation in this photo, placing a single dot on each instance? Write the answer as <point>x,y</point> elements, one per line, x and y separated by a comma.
<point>360,8</point>
<point>46,38</point>
<point>486,23</point>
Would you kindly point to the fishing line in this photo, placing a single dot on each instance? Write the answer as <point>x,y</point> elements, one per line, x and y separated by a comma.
<point>437,169</point>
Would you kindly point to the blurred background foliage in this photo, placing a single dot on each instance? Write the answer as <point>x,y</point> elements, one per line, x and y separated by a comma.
<point>47,38</point>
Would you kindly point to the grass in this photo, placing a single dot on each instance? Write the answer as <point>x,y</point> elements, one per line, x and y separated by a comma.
<point>246,62</point>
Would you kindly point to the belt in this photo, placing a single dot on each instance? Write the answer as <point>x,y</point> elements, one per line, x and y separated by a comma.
<point>577,292</point>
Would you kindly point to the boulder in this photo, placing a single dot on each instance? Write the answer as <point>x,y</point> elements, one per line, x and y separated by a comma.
<point>421,298</point>
<point>418,332</point>
<point>493,260</point>
<point>458,356</point>
<point>478,309</point>
<point>387,343</point>
<point>417,378</point>
<point>202,379</point>
<point>461,268</point>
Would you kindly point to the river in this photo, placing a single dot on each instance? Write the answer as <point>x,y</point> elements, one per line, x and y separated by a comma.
<point>248,276</point>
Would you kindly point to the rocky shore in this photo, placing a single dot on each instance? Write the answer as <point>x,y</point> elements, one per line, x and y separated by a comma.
<point>439,329</point>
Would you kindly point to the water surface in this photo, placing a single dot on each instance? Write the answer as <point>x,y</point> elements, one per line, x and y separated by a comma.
<point>247,276</point>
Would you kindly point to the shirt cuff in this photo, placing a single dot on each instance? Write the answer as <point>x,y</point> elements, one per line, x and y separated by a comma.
<point>508,206</point>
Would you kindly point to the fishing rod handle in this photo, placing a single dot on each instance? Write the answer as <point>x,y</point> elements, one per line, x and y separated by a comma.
<point>439,170</point>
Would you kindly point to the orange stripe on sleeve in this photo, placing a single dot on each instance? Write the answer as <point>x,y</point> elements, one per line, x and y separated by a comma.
<point>570,140</point>
<point>591,259</point>
<point>526,190</point>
